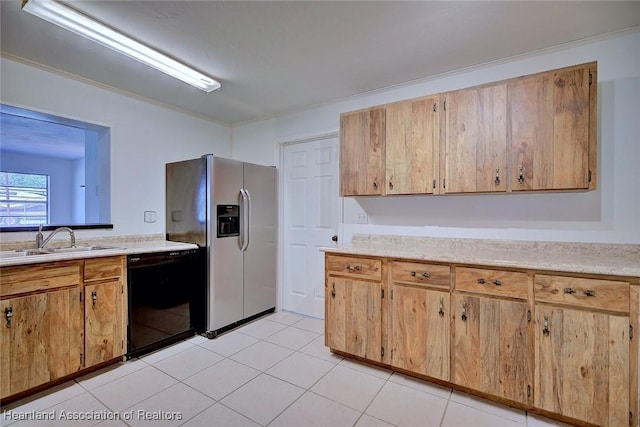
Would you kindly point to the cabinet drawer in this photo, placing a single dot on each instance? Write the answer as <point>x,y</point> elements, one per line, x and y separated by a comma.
<point>580,292</point>
<point>354,267</point>
<point>421,273</point>
<point>38,277</point>
<point>492,282</point>
<point>103,268</point>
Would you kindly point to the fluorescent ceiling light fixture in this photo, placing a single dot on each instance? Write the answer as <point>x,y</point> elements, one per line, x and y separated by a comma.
<point>59,14</point>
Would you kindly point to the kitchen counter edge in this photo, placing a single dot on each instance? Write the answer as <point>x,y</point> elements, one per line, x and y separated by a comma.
<point>124,248</point>
<point>561,262</point>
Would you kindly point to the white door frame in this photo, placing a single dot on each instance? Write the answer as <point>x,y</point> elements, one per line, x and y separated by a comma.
<point>281,189</point>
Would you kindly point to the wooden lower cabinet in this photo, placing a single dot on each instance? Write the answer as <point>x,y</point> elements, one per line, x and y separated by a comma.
<point>491,351</point>
<point>582,365</point>
<point>420,331</point>
<point>554,343</point>
<point>354,317</point>
<point>103,308</point>
<point>43,339</point>
<point>59,318</point>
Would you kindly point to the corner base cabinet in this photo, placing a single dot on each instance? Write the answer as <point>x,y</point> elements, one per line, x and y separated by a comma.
<point>554,343</point>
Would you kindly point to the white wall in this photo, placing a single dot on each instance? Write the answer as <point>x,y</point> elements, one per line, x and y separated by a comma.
<point>609,214</point>
<point>256,143</point>
<point>144,137</point>
<point>78,191</point>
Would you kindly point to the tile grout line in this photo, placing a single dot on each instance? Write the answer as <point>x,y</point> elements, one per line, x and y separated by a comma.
<point>446,407</point>
<point>374,398</point>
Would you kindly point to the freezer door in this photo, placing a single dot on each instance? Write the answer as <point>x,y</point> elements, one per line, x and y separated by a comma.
<point>225,263</point>
<point>261,254</point>
<point>186,201</point>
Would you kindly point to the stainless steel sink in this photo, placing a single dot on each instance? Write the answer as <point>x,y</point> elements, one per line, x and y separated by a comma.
<point>25,252</point>
<point>51,251</point>
<point>84,248</point>
<point>29,252</point>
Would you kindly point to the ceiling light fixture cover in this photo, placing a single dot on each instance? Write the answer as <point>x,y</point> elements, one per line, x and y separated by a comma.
<point>59,14</point>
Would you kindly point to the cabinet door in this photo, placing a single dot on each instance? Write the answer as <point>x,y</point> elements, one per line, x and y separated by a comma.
<point>103,307</point>
<point>491,346</point>
<point>550,139</point>
<point>43,340</point>
<point>582,365</point>
<point>420,331</point>
<point>476,140</point>
<point>411,146</point>
<point>354,317</point>
<point>362,147</point>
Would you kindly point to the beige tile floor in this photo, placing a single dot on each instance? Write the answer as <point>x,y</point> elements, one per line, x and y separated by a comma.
<point>274,371</point>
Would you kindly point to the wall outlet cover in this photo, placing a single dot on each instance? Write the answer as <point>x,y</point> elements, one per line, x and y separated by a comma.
<point>149,216</point>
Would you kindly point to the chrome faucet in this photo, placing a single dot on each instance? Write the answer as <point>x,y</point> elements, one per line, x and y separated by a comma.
<point>41,241</point>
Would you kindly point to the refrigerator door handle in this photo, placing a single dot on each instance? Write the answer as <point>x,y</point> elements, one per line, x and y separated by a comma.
<point>242,202</point>
<point>246,219</point>
<point>248,223</point>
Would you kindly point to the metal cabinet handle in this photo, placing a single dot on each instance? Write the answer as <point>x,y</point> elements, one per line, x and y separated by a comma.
<point>333,290</point>
<point>375,183</point>
<point>483,281</point>
<point>497,180</point>
<point>94,298</point>
<point>520,174</point>
<point>353,268</point>
<point>424,275</point>
<point>8,314</point>
<point>390,184</point>
<point>441,311</point>
<point>546,330</point>
<point>464,311</point>
<point>587,293</point>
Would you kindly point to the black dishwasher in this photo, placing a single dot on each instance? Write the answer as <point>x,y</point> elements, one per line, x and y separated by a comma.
<point>167,298</point>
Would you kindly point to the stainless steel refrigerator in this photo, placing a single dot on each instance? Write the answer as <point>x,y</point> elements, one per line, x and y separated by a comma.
<point>230,209</point>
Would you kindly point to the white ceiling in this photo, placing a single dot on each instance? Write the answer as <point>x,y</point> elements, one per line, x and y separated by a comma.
<point>278,57</point>
<point>42,138</point>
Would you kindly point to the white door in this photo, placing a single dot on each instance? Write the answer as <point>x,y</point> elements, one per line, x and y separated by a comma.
<point>312,210</point>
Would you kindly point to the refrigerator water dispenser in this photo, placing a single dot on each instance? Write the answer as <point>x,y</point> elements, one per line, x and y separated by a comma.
<point>228,220</point>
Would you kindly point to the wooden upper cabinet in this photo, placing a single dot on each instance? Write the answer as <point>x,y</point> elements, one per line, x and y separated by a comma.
<point>476,140</point>
<point>412,138</point>
<point>553,136</point>
<point>362,152</point>
<point>531,133</point>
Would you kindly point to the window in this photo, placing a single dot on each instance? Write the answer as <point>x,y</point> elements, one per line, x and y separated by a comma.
<point>24,199</point>
<point>69,165</point>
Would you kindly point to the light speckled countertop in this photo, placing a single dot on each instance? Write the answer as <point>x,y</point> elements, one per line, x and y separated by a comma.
<point>124,245</point>
<point>590,258</point>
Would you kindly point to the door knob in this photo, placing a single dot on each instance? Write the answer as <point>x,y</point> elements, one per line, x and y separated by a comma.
<point>334,237</point>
